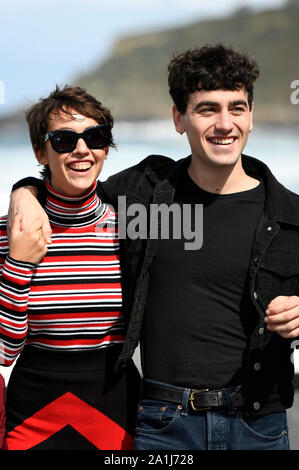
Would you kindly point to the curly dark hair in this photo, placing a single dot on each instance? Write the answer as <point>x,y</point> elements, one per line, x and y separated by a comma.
<point>210,68</point>
<point>64,100</point>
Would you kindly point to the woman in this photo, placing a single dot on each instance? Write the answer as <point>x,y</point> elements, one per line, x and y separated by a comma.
<point>2,412</point>
<point>61,303</point>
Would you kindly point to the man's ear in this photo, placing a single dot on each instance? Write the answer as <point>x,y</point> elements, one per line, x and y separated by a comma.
<point>178,120</point>
<point>251,117</point>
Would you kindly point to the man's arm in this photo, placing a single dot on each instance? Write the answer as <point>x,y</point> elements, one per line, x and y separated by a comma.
<point>24,198</point>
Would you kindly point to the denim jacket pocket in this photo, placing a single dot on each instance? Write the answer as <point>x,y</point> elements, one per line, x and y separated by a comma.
<point>278,275</point>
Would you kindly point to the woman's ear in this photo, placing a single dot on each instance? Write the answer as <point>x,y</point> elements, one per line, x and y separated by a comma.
<point>106,152</point>
<point>40,156</point>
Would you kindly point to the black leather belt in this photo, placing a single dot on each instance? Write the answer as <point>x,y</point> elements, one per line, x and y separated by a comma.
<point>199,400</point>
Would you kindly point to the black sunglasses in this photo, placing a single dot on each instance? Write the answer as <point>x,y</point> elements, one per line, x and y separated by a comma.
<point>65,141</point>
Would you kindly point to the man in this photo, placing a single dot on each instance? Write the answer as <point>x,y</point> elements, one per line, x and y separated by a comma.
<point>215,323</point>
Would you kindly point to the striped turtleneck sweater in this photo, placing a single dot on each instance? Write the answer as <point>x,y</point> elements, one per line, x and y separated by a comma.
<point>72,300</point>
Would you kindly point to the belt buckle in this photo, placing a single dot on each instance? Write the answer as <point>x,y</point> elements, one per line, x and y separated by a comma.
<point>191,399</point>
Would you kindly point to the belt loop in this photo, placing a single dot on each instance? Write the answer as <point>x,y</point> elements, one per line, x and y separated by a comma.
<point>185,402</point>
<point>230,406</point>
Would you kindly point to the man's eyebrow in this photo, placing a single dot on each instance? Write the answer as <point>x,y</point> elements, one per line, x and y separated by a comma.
<point>204,103</point>
<point>238,102</point>
<point>215,104</point>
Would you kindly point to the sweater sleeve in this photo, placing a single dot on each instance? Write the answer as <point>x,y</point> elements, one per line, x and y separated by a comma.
<point>14,294</point>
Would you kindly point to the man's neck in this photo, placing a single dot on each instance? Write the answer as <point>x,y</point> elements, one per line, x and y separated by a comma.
<point>221,179</point>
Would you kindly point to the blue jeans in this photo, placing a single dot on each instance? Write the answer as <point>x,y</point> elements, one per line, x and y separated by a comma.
<point>168,426</point>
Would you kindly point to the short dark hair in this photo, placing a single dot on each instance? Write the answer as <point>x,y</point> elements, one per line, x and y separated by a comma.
<point>64,100</point>
<point>210,68</point>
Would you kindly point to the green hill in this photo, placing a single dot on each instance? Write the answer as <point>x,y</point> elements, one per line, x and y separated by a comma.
<point>133,80</point>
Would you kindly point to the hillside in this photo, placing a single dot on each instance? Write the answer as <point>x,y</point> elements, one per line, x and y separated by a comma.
<point>133,80</point>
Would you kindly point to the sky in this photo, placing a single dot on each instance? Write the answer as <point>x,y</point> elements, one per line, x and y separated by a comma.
<point>53,41</point>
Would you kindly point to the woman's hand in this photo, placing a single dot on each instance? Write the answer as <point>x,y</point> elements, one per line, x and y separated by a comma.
<point>33,215</point>
<point>26,244</point>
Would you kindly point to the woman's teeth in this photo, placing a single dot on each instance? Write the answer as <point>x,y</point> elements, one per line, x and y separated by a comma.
<point>80,166</point>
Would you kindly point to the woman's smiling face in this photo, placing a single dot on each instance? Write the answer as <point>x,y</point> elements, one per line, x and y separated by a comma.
<point>75,172</point>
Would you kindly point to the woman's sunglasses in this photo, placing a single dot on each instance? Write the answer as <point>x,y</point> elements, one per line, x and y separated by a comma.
<point>65,141</point>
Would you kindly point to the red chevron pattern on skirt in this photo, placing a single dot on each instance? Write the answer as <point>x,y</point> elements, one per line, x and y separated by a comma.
<point>69,410</point>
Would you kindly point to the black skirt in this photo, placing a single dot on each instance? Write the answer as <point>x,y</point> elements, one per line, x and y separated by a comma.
<point>71,400</point>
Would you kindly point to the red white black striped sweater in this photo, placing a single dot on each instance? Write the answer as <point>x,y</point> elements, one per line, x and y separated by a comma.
<point>72,300</point>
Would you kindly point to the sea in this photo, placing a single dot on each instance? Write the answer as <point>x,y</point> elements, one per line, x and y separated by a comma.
<point>278,147</point>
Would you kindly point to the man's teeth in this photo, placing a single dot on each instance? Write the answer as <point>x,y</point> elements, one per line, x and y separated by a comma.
<point>222,141</point>
<point>80,166</point>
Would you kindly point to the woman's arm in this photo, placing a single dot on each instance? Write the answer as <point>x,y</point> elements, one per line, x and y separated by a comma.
<point>18,256</point>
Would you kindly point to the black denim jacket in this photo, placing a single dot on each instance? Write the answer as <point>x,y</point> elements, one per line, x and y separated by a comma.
<point>273,271</point>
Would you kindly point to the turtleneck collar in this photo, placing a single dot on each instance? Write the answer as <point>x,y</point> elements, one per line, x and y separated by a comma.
<point>74,211</point>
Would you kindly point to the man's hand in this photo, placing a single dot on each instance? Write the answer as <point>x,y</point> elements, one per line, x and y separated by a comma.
<point>33,215</point>
<point>26,244</point>
<point>282,316</point>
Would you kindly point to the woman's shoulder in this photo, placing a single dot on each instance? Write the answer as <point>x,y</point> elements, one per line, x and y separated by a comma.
<point>4,247</point>
<point>3,225</point>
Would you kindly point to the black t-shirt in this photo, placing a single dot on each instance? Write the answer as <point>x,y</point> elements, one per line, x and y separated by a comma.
<point>198,313</point>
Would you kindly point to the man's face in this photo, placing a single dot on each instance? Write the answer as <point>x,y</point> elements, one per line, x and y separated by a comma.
<point>217,124</point>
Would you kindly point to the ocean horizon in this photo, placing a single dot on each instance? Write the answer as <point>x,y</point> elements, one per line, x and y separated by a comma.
<point>277,147</point>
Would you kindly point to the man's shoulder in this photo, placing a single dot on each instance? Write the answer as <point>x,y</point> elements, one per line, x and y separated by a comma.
<point>257,167</point>
<point>160,164</point>
<point>292,195</point>
<point>155,167</point>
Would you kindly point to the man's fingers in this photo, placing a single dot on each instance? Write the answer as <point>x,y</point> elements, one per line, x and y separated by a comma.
<point>284,316</point>
<point>47,232</point>
<point>286,329</point>
<point>282,304</point>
